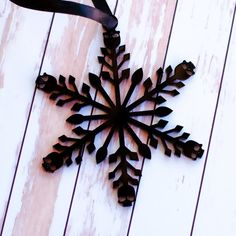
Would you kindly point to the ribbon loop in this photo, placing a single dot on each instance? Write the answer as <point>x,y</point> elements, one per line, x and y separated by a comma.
<point>101,13</point>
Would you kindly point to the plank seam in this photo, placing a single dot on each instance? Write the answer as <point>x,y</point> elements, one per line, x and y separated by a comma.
<point>26,127</point>
<point>213,123</point>
<point>164,62</point>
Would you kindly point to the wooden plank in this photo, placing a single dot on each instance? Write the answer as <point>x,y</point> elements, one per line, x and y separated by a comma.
<point>22,45</point>
<point>169,186</point>
<point>217,207</point>
<point>39,196</point>
<point>95,204</point>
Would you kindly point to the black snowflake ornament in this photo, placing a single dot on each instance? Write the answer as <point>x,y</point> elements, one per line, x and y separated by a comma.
<point>118,116</point>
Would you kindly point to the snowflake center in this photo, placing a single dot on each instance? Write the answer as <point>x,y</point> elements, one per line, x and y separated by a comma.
<point>120,116</point>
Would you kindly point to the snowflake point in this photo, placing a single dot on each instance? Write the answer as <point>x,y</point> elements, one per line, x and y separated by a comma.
<point>101,154</point>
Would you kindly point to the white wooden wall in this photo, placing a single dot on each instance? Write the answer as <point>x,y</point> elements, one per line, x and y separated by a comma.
<point>176,197</point>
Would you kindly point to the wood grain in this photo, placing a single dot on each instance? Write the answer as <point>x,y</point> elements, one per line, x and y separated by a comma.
<point>217,207</point>
<point>22,45</point>
<point>95,204</point>
<point>169,186</point>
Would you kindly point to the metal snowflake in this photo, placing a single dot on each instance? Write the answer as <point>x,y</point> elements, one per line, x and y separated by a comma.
<point>119,117</point>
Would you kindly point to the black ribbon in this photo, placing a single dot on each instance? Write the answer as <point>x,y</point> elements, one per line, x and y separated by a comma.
<point>101,13</point>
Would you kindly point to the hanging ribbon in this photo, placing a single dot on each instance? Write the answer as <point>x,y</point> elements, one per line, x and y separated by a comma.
<point>101,13</point>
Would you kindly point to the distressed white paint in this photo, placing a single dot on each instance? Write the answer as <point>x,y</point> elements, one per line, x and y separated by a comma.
<point>217,208</point>
<point>21,50</point>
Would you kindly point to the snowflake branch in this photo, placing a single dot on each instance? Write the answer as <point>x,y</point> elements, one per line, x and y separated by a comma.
<point>182,72</point>
<point>126,57</point>
<point>190,149</point>
<point>78,118</point>
<point>126,193</point>
<point>49,84</point>
<point>102,151</point>
<point>96,83</point>
<point>55,160</point>
<point>136,79</point>
<point>143,149</point>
